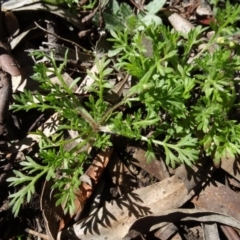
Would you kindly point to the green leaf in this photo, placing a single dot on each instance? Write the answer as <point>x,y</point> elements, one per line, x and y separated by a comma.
<point>112,22</point>
<point>155,6</point>
<point>125,10</point>
<point>150,19</point>
<point>115,6</point>
<point>74,82</point>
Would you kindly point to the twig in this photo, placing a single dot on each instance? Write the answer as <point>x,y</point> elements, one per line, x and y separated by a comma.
<point>138,6</point>
<point>37,122</point>
<point>61,38</point>
<point>43,236</point>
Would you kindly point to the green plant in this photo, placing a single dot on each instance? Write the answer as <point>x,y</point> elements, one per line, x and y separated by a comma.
<point>56,162</point>
<point>118,16</point>
<point>196,98</point>
<point>187,105</point>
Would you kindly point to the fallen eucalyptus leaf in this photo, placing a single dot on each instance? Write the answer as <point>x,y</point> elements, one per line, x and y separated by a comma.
<point>145,224</point>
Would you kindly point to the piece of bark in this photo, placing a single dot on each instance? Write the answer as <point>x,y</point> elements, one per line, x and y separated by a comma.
<point>166,232</point>
<point>5,95</point>
<point>210,231</point>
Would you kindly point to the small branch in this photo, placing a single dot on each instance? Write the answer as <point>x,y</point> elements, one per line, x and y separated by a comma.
<point>63,39</point>
<point>43,236</point>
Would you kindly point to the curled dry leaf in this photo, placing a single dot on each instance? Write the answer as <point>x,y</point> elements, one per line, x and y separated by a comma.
<point>219,198</point>
<point>144,225</point>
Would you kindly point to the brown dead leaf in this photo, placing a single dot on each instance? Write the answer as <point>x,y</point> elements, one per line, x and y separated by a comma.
<point>12,24</point>
<point>144,225</point>
<point>231,166</point>
<point>217,197</point>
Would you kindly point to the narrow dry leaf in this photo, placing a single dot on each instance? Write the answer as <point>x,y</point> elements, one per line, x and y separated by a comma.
<point>48,128</point>
<point>114,219</point>
<point>229,232</point>
<point>166,232</point>
<point>24,81</point>
<point>52,214</point>
<point>143,225</point>
<point>17,84</point>
<point>16,40</point>
<point>67,79</point>
<point>95,171</point>
<point>88,81</point>
<point>12,4</point>
<point>210,231</point>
